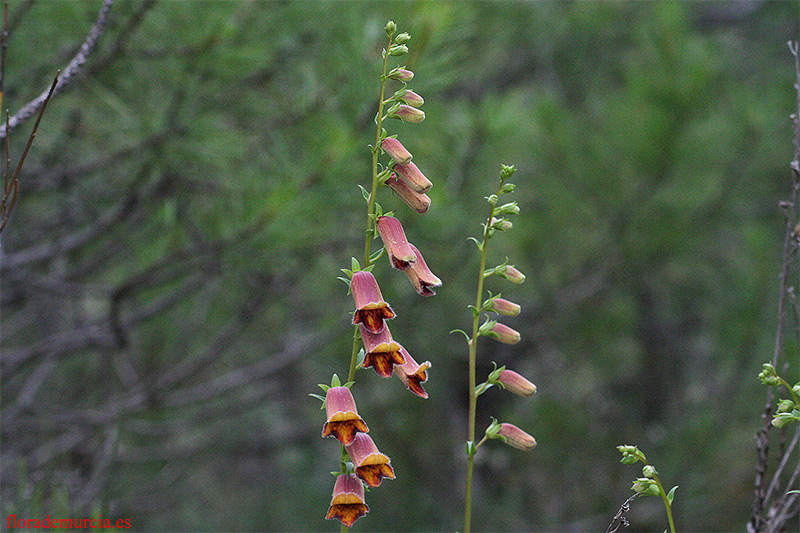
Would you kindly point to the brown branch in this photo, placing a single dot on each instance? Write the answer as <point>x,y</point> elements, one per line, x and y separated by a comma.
<point>68,73</point>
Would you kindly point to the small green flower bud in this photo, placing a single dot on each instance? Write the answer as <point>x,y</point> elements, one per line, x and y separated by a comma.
<point>403,38</point>
<point>507,188</point>
<point>649,471</point>
<point>510,208</point>
<point>781,419</point>
<point>768,376</point>
<point>785,406</point>
<point>391,27</point>
<point>506,171</point>
<point>501,224</point>
<point>492,199</point>
<point>796,389</point>
<point>646,486</point>
<point>486,328</point>
<point>398,50</point>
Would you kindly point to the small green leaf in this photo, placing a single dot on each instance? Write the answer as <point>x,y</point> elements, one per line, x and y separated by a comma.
<point>671,494</point>
<point>354,264</point>
<point>471,448</point>
<point>476,241</point>
<point>335,381</point>
<point>462,332</point>
<point>364,193</point>
<point>320,398</point>
<point>360,357</point>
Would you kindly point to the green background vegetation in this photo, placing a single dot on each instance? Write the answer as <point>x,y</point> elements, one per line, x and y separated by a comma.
<point>169,292</point>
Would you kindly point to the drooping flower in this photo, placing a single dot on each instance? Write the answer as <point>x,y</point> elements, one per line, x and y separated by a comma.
<point>401,253</point>
<point>347,503</point>
<point>516,383</point>
<point>370,464</point>
<point>343,419</point>
<point>382,352</point>
<point>417,201</point>
<point>413,374</point>
<point>421,277</point>
<point>406,113</point>
<point>505,307</point>
<point>396,150</point>
<point>504,334</point>
<point>413,177</point>
<point>371,309</point>
<point>515,437</point>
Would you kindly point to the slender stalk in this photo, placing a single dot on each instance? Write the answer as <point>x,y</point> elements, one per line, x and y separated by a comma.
<point>473,394</point>
<point>667,504</point>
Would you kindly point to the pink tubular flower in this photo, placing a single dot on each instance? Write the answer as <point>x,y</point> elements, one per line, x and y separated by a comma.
<point>421,277</point>
<point>382,352</point>
<point>401,74</point>
<point>516,383</point>
<point>504,334</point>
<point>343,420</point>
<point>413,374</point>
<point>370,464</point>
<point>515,437</point>
<point>417,201</point>
<point>401,253</point>
<point>371,309</point>
<point>513,275</point>
<point>505,307</point>
<point>413,177</point>
<point>396,150</point>
<point>347,503</point>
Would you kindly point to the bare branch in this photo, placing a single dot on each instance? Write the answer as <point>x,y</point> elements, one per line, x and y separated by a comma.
<point>68,73</point>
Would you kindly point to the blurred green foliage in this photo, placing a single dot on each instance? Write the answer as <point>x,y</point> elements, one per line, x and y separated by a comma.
<point>169,293</point>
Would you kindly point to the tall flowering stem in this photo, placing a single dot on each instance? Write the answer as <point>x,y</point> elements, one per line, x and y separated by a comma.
<point>513,436</point>
<point>373,345</point>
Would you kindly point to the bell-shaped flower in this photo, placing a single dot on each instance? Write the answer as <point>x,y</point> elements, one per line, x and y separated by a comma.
<point>347,503</point>
<point>413,374</point>
<point>420,276</point>
<point>400,252</point>
<point>343,420</point>
<point>370,464</point>
<point>513,382</point>
<point>396,150</point>
<point>371,309</point>
<point>413,177</point>
<point>382,352</point>
<point>417,201</point>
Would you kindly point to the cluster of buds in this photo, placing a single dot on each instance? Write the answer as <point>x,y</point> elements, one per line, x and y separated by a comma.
<point>648,484</point>
<point>362,462</point>
<point>788,409</point>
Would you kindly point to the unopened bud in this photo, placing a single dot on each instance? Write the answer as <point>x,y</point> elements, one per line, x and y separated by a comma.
<point>501,224</point>
<point>396,150</point>
<point>649,471</point>
<point>390,28</point>
<point>406,113</point>
<point>646,486</point>
<point>785,406</point>
<point>513,275</point>
<point>412,99</point>
<point>505,307</point>
<point>510,208</point>
<point>400,74</point>
<point>515,383</point>
<point>403,38</point>
<point>398,50</point>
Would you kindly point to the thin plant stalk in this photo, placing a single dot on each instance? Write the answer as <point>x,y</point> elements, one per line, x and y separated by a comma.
<point>667,503</point>
<point>473,393</point>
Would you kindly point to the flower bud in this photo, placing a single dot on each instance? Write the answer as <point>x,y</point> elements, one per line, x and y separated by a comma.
<point>510,208</point>
<point>407,113</point>
<point>412,98</point>
<point>649,471</point>
<point>513,382</point>
<point>413,176</point>
<point>501,224</point>
<point>400,74</point>
<point>505,307</point>
<point>391,27</point>
<point>784,406</point>
<point>396,150</point>
<point>646,486</point>
<point>416,201</point>
<point>513,436</point>
<point>403,38</point>
<point>398,50</point>
<point>768,376</point>
<point>503,333</point>
<point>513,275</point>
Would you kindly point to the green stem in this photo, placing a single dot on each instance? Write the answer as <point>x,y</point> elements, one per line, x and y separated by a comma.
<point>667,505</point>
<point>473,350</point>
